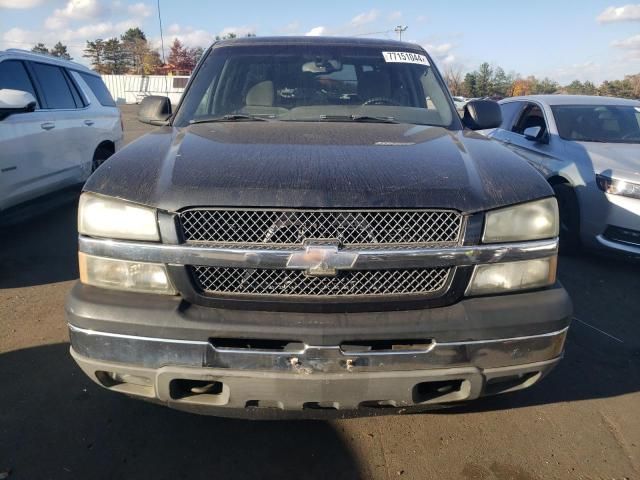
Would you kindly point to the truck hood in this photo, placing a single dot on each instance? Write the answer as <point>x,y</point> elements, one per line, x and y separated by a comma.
<point>317,165</point>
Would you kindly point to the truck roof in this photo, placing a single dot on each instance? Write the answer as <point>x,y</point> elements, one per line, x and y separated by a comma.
<point>313,40</point>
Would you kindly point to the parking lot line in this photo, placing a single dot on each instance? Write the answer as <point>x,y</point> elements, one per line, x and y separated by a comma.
<point>598,330</point>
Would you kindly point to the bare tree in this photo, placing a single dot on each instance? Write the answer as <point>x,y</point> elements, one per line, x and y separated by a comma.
<point>454,79</point>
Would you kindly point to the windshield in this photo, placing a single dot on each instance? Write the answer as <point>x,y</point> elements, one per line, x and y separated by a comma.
<point>316,83</point>
<point>598,123</point>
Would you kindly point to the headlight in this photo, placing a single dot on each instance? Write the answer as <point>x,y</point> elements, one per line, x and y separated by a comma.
<point>100,216</point>
<point>529,221</point>
<point>512,276</point>
<point>124,275</point>
<point>618,187</point>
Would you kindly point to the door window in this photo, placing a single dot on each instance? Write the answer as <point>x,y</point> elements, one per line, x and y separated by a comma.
<point>532,116</point>
<point>100,90</point>
<point>14,75</point>
<point>55,86</point>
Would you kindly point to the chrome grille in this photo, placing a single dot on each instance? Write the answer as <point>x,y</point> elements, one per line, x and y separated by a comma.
<point>292,227</point>
<point>424,281</point>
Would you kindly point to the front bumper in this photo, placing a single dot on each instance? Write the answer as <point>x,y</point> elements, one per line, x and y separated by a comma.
<point>166,350</point>
<point>606,213</point>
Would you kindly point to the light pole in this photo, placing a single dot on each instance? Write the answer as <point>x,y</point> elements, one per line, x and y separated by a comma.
<point>399,29</point>
<point>161,36</point>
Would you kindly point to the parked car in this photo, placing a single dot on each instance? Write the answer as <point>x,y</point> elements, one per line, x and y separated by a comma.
<point>459,103</point>
<point>279,246</point>
<point>58,123</point>
<point>588,149</point>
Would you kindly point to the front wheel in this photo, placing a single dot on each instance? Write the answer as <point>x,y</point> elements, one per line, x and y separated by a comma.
<point>569,219</point>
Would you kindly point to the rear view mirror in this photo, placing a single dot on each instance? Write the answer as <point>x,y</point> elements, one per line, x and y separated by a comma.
<point>323,66</point>
<point>482,115</point>
<point>154,110</point>
<point>15,101</point>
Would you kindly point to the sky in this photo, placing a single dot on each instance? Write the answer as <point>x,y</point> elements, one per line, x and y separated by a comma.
<point>562,39</point>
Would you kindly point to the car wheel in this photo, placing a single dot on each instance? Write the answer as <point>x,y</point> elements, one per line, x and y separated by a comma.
<point>101,154</point>
<point>569,219</point>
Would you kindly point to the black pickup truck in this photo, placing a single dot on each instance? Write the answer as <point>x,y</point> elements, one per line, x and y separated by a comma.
<point>314,228</point>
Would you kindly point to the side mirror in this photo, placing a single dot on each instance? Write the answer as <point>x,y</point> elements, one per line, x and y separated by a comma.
<point>482,115</point>
<point>154,110</point>
<point>15,101</point>
<point>534,134</point>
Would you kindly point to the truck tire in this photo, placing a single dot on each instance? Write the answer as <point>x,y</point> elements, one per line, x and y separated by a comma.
<point>569,219</point>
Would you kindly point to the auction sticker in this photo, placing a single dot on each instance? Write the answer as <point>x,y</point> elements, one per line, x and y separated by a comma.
<point>405,57</point>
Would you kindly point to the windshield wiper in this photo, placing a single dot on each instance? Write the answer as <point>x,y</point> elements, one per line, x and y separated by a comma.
<point>357,118</point>
<point>232,117</point>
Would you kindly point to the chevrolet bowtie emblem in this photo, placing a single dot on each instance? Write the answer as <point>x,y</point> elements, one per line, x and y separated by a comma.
<point>320,260</point>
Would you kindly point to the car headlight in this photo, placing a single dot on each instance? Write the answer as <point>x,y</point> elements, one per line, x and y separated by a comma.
<point>124,275</point>
<point>529,221</point>
<point>618,187</point>
<point>107,217</point>
<point>512,276</point>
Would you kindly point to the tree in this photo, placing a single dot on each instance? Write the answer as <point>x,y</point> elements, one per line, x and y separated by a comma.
<point>228,36</point>
<point>544,86</point>
<point>521,86</point>
<point>231,35</point>
<point>135,48</point>
<point>484,78</point>
<point>197,53</point>
<point>151,62</point>
<point>60,50</point>
<point>94,51</point>
<point>502,83</point>
<point>453,77</point>
<point>40,48</point>
<point>469,86</point>
<point>114,57</point>
<point>181,57</point>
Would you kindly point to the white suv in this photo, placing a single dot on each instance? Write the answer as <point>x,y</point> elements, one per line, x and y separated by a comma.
<point>58,123</point>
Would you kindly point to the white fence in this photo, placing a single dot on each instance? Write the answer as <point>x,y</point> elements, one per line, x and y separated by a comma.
<point>133,88</point>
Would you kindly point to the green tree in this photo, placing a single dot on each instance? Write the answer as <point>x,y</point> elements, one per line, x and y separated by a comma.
<point>135,48</point>
<point>588,88</point>
<point>40,48</point>
<point>197,53</point>
<point>500,83</point>
<point>94,51</point>
<point>60,50</point>
<point>469,86</point>
<point>484,77</point>
<point>115,61</point>
<point>544,86</point>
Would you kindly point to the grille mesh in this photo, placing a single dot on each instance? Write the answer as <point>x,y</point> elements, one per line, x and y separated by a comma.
<point>292,227</point>
<point>218,280</point>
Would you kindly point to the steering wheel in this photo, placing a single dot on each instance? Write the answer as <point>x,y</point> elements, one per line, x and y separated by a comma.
<point>381,101</point>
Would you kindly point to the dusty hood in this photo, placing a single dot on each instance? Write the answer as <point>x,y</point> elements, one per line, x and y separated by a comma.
<point>317,165</point>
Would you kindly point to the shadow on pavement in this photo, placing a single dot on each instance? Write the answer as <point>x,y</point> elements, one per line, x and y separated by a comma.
<point>593,367</point>
<point>40,250</point>
<point>602,357</point>
<point>55,423</point>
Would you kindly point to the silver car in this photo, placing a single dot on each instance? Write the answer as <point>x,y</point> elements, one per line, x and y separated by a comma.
<point>588,148</point>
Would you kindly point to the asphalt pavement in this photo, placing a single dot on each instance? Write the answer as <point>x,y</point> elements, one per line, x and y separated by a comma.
<point>582,422</point>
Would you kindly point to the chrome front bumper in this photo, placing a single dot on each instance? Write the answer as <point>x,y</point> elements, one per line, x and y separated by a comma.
<point>334,377</point>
